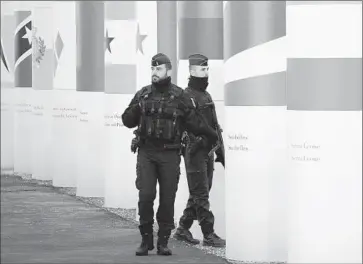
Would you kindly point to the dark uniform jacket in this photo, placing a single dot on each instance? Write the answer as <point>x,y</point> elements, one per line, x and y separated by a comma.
<point>162,116</point>
<point>204,103</point>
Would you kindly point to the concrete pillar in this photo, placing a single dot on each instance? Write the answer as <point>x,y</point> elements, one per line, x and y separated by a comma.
<point>121,38</point>
<point>167,33</point>
<point>42,77</point>
<point>255,133</point>
<point>7,88</point>
<point>90,97</point>
<point>324,100</point>
<point>200,30</point>
<point>64,114</point>
<point>23,90</point>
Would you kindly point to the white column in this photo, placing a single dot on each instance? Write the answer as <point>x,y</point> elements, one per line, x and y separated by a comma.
<point>167,33</point>
<point>64,114</point>
<point>23,89</point>
<point>255,133</point>
<point>200,30</point>
<point>90,98</point>
<point>7,88</point>
<point>324,81</point>
<point>42,79</point>
<point>121,37</point>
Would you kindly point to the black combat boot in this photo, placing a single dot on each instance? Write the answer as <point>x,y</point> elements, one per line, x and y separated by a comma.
<point>210,238</point>
<point>162,244</point>
<point>183,234</point>
<point>147,242</point>
<point>213,240</point>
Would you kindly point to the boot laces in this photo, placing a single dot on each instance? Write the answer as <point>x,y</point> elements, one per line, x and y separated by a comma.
<point>212,236</point>
<point>215,235</point>
<point>187,232</point>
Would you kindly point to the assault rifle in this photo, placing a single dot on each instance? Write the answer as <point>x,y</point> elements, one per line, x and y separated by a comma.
<point>220,144</point>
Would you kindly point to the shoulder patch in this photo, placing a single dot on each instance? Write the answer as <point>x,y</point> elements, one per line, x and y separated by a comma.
<point>145,90</point>
<point>176,91</point>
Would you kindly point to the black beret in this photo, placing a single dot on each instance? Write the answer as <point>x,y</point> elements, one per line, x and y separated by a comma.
<point>160,59</point>
<point>198,59</point>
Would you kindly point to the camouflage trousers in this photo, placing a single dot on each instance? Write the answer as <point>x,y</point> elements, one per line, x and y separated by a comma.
<point>199,168</point>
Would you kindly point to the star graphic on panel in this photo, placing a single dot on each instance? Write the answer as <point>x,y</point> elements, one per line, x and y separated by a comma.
<point>28,35</point>
<point>108,41</point>
<point>139,39</point>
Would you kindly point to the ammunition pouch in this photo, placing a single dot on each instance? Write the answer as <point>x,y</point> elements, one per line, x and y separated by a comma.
<point>161,128</point>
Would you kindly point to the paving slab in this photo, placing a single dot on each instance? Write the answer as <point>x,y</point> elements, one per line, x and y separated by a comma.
<point>40,225</point>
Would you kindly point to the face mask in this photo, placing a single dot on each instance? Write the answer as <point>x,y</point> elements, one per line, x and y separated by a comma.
<point>200,83</point>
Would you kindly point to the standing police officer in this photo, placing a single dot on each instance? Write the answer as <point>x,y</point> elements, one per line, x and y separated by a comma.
<point>199,165</point>
<point>162,111</point>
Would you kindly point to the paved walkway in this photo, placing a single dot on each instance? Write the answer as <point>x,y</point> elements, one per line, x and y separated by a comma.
<point>39,225</point>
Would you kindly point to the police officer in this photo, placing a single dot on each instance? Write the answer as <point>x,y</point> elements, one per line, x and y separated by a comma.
<point>161,111</point>
<point>199,166</point>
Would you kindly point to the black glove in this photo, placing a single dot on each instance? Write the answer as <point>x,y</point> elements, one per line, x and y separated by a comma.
<point>134,144</point>
<point>220,157</point>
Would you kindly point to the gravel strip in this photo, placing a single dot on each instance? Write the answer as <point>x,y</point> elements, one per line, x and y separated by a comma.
<point>96,201</point>
<point>45,183</point>
<point>129,214</point>
<point>28,179</point>
<point>71,191</point>
<point>25,177</point>
<point>253,262</point>
<point>220,252</point>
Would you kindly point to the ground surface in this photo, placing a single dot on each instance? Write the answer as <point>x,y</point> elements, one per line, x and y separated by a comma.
<point>41,225</point>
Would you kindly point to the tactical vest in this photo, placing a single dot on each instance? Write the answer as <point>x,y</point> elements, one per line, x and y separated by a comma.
<point>160,118</point>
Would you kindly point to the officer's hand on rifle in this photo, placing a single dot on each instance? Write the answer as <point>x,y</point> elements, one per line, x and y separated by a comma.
<point>134,144</point>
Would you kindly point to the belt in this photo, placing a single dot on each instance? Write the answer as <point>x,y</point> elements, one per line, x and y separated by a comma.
<point>172,146</point>
<point>161,146</point>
